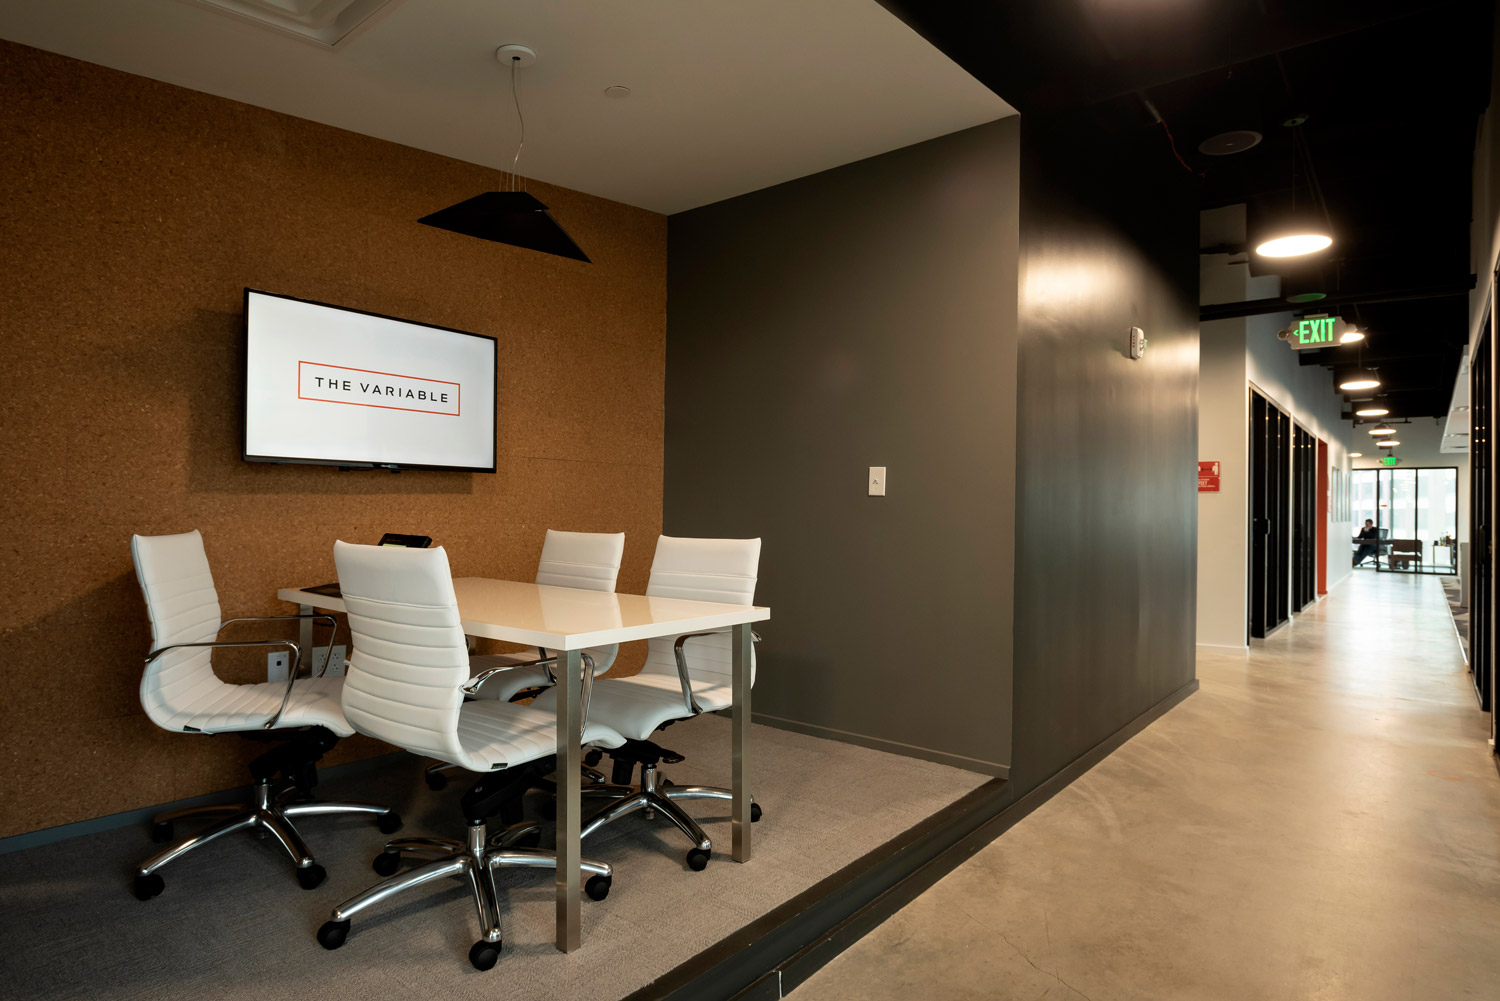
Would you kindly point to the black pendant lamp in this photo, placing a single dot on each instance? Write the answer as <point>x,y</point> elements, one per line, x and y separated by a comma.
<point>513,216</point>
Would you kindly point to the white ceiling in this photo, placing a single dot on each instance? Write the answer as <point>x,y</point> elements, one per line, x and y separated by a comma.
<point>728,95</point>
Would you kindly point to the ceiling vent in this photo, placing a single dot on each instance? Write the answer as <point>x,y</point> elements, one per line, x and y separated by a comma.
<point>322,22</point>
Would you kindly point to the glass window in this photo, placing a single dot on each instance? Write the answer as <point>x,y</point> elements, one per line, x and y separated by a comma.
<point>1437,517</point>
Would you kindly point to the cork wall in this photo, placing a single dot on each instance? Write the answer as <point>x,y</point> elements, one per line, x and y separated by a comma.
<point>134,215</point>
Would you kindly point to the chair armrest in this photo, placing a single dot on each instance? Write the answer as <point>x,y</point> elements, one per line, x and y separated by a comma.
<point>474,683</point>
<point>690,703</point>
<point>471,687</point>
<point>291,675</point>
<point>270,724</point>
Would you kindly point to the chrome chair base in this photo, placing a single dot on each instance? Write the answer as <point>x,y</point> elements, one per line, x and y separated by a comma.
<point>657,794</point>
<point>272,811</point>
<point>474,860</point>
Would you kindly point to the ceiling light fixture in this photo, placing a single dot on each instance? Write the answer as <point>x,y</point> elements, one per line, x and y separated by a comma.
<point>1388,443</point>
<point>1356,455</point>
<point>1360,380</point>
<point>512,216</point>
<point>1371,412</point>
<point>1382,429</point>
<point>1350,336</point>
<point>1298,231</point>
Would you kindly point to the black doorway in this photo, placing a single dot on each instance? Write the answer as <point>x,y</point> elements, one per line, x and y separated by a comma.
<point>1304,518</point>
<point>1270,495</point>
<point>1481,498</point>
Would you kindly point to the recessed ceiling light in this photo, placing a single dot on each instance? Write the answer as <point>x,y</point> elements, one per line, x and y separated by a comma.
<point>618,90</point>
<point>1295,245</point>
<point>1371,412</point>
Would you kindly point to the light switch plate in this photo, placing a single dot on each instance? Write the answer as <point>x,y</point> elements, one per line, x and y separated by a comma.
<point>877,481</point>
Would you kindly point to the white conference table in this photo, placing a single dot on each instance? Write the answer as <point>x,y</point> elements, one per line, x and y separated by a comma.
<point>568,620</point>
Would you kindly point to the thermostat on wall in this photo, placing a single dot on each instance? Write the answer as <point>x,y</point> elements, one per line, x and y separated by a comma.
<point>1137,342</point>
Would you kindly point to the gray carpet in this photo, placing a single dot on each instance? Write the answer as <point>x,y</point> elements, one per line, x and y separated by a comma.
<point>233,923</point>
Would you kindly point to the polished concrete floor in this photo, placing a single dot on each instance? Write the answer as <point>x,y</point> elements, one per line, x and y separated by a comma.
<point>1320,821</point>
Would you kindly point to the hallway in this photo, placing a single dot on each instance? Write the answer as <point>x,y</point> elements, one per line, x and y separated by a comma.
<point>1320,821</point>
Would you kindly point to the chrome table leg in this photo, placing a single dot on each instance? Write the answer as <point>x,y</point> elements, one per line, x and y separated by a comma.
<point>740,670</point>
<point>569,801</point>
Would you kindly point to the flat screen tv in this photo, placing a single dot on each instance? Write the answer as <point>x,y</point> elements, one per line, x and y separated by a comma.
<point>336,386</point>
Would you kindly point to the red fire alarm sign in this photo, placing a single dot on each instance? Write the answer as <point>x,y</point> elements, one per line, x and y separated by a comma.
<point>1208,477</point>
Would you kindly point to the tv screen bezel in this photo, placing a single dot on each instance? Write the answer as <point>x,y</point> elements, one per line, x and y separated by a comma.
<point>245,453</point>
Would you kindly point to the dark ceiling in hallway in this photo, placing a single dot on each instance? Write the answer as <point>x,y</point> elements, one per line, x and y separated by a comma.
<point>1391,92</point>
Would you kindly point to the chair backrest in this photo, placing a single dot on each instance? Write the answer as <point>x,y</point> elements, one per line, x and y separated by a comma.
<point>702,570</point>
<point>590,560</point>
<point>183,607</point>
<point>587,560</point>
<point>409,656</point>
<point>1406,546</point>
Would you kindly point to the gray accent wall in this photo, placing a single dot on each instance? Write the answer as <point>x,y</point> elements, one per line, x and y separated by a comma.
<point>863,316</point>
<point>1106,503</point>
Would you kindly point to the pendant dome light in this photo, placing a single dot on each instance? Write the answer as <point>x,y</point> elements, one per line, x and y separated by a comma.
<point>1382,429</point>
<point>1371,412</point>
<point>1300,229</point>
<point>1356,455</point>
<point>1388,443</point>
<point>1360,380</point>
<point>512,216</point>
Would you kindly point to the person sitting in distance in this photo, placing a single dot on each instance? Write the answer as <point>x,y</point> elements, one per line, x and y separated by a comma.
<point>1368,538</point>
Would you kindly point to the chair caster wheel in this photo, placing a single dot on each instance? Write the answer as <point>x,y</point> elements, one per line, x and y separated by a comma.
<point>161,831</point>
<point>311,876</point>
<point>437,781</point>
<point>593,757</point>
<point>333,933</point>
<point>389,823</point>
<point>754,813</point>
<point>597,887</point>
<point>697,860</point>
<point>483,955</point>
<point>147,887</point>
<point>386,863</point>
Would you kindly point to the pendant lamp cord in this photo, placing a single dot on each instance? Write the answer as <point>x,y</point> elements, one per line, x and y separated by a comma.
<point>515,163</point>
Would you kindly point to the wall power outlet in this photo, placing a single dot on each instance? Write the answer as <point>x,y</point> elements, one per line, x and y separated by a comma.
<point>277,665</point>
<point>335,665</point>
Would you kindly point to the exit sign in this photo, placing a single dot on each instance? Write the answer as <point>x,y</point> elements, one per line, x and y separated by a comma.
<point>1388,460</point>
<point>1314,332</point>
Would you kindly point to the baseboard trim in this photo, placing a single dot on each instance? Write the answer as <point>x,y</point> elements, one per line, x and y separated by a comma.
<point>1225,647</point>
<point>772,955</point>
<point>47,835</point>
<point>880,744</point>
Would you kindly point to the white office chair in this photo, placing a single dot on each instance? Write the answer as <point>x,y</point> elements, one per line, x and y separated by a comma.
<point>588,560</point>
<point>682,677</point>
<point>181,693</point>
<point>407,674</point>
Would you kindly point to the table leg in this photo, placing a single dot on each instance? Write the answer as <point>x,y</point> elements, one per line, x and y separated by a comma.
<point>305,636</point>
<point>740,668</point>
<point>569,762</point>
